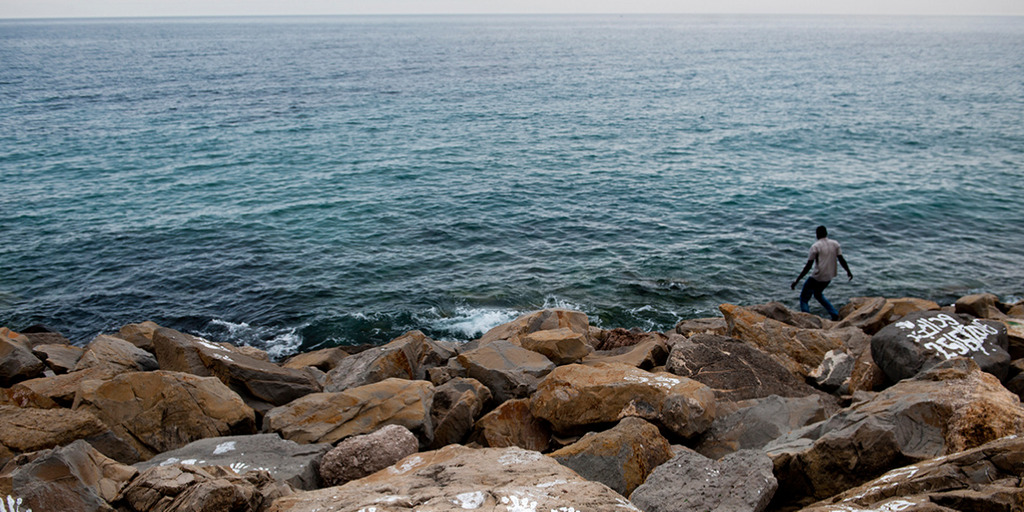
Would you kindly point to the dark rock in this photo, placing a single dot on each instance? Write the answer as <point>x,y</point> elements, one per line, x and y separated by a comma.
<point>742,481</point>
<point>366,454</point>
<point>621,458</point>
<point>733,369</point>
<point>17,363</point>
<point>833,375</point>
<point>613,339</point>
<point>921,340</point>
<point>285,461</point>
<point>512,424</point>
<point>760,421</point>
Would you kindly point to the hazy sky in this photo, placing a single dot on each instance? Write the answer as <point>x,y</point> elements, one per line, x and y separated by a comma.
<point>112,8</point>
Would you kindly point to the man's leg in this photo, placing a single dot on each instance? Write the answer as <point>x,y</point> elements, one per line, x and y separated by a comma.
<point>805,295</point>
<point>824,302</point>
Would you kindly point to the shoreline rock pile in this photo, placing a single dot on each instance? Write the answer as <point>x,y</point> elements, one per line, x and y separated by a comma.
<point>899,405</point>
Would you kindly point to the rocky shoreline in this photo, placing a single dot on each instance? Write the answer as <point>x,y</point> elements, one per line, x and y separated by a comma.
<point>900,405</point>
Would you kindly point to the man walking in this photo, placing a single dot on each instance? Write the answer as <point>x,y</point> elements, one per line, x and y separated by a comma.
<point>824,254</point>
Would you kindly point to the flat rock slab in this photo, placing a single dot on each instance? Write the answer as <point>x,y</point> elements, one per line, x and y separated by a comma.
<point>286,461</point>
<point>740,482</point>
<point>460,478</point>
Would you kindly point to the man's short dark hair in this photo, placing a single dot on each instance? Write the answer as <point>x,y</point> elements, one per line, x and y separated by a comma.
<point>822,232</point>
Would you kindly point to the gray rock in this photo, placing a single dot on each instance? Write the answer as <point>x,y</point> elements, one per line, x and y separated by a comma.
<point>921,340</point>
<point>286,461</point>
<point>761,421</point>
<point>363,455</point>
<point>740,482</point>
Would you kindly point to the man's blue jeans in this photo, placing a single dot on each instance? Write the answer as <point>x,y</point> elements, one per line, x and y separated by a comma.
<point>814,287</point>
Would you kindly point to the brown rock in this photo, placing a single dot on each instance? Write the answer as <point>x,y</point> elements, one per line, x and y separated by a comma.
<point>735,370</point>
<point>159,411</point>
<point>716,325</point>
<point>981,305</point>
<point>983,478</point>
<point>260,383</point>
<point>871,314</point>
<point>325,359</point>
<point>614,339</point>
<point>799,350</point>
<point>644,355</point>
<point>620,458</point>
<point>140,335</point>
<point>543,320</point>
<point>561,346</point>
<point>457,405</point>
<point>25,430</point>
<point>59,358</point>
<point>779,311</point>
<point>199,489</point>
<point>61,389</point>
<point>17,363</point>
<point>512,424</point>
<point>359,456</point>
<point>73,478</point>
<point>331,417</point>
<point>409,357</point>
<point>508,370</point>
<point>575,397</point>
<point>460,478</point>
<point>116,354</point>
<point>953,407</point>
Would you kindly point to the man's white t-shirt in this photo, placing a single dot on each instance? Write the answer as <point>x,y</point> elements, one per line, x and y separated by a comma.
<point>824,253</point>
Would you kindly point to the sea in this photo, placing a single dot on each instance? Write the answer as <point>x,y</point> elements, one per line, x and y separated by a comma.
<point>294,183</point>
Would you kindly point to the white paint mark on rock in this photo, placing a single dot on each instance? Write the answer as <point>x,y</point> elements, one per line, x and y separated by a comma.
<point>224,448</point>
<point>518,457</point>
<point>517,504</point>
<point>470,500</point>
<point>13,505</point>
<point>545,485</point>
<point>407,466</point>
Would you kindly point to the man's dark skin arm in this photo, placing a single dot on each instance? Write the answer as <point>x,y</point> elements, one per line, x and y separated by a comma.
<point>807,268</point>
<point>842,261</point>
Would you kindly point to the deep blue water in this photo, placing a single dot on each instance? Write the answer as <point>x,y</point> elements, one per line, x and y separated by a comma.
<point>296,182</point>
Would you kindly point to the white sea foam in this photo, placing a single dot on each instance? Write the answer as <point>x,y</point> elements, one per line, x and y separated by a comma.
<point>469,323</point>
<point>278,342</point>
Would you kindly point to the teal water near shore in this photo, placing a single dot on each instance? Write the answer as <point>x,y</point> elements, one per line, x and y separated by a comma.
<point>291,183</point>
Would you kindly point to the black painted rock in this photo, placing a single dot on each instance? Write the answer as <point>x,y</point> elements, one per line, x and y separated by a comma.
<point>922,340</point>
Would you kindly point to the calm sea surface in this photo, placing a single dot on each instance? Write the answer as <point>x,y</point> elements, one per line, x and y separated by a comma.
<point>291,183</point>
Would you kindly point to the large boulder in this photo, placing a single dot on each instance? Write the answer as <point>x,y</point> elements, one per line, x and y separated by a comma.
<point>575,397</point>
<point>61,389</point>
<point>31,429</point>
<point>984,478</point>
<point>512,424</point>
<point>740,482</point>
<point>621,457</point>
<point>75,477</point>
<point>981,305</point>
<point>543,320</point>
<point>460,478</point>
<point>799,350</point>
<point>331,417</point>
<point>359,456</point>
<point>160,411</point>
<point>760,421</point>
<point>457,405</point>
<point>950,408</point>
<point>17,363</point>
<point>408,357</point>
<point>561,346</point>
<point>921,340</point>
<point>733,369</point>
<point>176,488</point>
<point>260,383</point>
<point>871,314</point>
<point>116,354</point>
<point>294,464</point>
<point>508,370</point>
<point>140,335</point>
